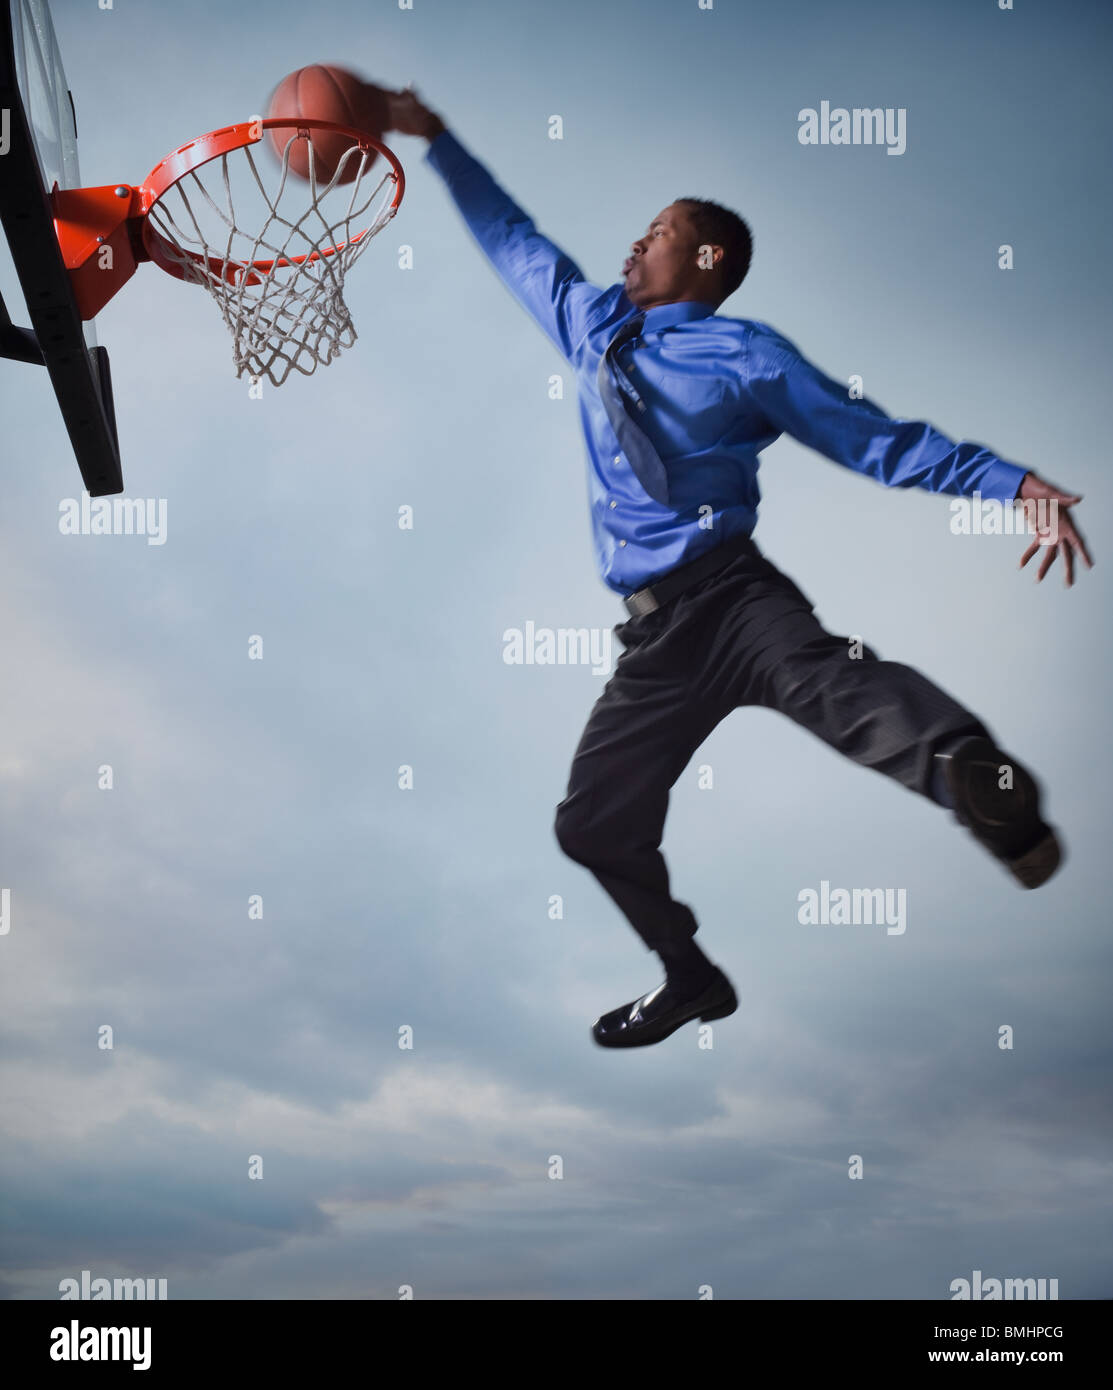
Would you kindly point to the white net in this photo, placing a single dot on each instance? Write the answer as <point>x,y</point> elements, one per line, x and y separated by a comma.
<point>280,290</point>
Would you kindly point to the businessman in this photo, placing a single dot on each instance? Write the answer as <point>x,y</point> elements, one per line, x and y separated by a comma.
<point>676,403</point>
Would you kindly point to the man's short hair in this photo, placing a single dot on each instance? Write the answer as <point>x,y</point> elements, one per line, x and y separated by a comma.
<point>717,226</point>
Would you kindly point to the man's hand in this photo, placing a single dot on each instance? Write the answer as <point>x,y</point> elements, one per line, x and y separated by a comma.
<point>1046,509</point>
<point>410,116</point>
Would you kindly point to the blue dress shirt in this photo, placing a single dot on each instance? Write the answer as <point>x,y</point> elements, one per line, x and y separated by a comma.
<point>717,391</point>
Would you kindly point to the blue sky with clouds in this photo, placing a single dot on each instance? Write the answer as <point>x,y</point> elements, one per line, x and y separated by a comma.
<point>429,908</point>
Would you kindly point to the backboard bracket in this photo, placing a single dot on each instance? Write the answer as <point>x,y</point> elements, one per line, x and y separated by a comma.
<point>18,344</point>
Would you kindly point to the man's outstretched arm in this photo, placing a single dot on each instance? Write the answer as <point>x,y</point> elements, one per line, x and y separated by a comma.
<point>545,281</point>
<point>798,398</point>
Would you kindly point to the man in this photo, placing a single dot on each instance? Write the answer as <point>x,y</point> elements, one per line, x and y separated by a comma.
<point>676,402</point>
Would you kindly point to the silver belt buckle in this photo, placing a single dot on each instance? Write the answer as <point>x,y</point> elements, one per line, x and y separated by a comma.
<point>640,603</point>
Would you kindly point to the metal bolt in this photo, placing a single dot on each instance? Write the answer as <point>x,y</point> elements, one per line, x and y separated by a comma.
<point>123,192</point>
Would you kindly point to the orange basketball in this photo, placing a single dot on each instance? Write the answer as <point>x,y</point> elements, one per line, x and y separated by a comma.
<point>326,93</point>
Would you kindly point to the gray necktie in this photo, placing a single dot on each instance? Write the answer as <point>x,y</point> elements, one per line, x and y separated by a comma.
<point>614,385</point>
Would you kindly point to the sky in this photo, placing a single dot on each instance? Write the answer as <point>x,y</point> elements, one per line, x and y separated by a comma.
<point>504,1155</point>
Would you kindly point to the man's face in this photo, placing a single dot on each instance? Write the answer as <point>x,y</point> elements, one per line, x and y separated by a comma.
<point>663,266</point>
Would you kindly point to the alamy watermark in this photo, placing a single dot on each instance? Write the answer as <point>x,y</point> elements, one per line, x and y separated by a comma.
<point>827,906</point>
<point>981,1287</point>
<point>86,1287</point>
<point>562,646</point>
<point>860,125</point>
<point>113,516</point>
<point>987,516</point>
<point>77,1343</point>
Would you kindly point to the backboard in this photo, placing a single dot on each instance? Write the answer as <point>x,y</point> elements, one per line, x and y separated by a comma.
<point>38,151</point>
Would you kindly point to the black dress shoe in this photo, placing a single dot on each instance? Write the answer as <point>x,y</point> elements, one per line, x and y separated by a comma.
<point>661,1012</point>
<point>1005,820</point>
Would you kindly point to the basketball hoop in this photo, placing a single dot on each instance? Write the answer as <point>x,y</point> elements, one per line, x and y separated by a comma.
<point>280,288</point>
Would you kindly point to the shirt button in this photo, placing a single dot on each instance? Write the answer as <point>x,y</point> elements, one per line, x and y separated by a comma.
<point>614,504</point>
<point>618,458</point>
<point>622,542</point>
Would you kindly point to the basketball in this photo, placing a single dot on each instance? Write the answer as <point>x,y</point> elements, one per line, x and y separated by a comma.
<point>326,93</point>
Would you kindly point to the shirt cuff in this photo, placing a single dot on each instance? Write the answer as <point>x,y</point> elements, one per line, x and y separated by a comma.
<point>1001,481</point>
<point>445,154</point>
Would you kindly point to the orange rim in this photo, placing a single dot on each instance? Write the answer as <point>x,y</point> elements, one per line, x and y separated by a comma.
<point>184,160</point>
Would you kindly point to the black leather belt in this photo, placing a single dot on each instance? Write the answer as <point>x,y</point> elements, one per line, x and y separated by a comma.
<point>649,599</point>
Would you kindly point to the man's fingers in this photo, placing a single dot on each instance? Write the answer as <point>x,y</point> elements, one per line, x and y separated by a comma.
<point>1077,540</point>
<point>1068,544</point>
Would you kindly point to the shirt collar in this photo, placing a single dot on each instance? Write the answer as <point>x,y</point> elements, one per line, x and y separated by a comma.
<point>668,315</point>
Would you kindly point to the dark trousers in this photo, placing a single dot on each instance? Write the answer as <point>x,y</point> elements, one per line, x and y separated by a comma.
<point>746,635</point>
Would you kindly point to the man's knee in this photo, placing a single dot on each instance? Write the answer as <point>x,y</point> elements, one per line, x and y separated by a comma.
<point>571,832</point>
<point>614,835</point>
